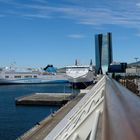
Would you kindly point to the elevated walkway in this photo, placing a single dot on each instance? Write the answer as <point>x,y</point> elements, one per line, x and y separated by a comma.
<point>79,122</point>
<point>108,111</point>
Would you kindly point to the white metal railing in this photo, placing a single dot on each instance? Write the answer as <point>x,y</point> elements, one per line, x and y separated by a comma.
<point>94,127</point>
<point>83,112</point>
<point>71,125</point>
<point>120,114</point>
<point>83,126</point>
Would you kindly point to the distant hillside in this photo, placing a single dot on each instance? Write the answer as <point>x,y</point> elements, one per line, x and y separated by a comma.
<point>135,64</point>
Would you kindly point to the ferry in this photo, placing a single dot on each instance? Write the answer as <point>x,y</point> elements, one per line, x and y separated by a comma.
<point>80,76</point>
<point>18,75</point>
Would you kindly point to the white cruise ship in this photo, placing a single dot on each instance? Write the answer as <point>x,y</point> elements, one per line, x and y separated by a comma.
<point>80,76</point>
<point>17,75</point>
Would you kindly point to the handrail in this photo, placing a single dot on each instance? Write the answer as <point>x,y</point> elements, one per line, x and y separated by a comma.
<point>121,115</point>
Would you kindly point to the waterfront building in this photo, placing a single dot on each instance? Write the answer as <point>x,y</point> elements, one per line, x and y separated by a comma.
<point>103,52</point>
<point>117,67</point>
<point>133,71</point>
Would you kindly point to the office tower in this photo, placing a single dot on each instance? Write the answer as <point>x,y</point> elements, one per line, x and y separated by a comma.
<point>103,52</point>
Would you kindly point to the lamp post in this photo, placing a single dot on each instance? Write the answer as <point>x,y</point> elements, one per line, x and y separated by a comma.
<point>136,58</point>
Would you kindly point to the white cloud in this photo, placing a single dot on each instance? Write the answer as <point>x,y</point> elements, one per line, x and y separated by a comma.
<point>36,16</point>
<point>114,12</point>
<point>93,16</point>
<point>41,1</point>
<point>138,4</point>
<point>138,34</point>
<point>76,36</point>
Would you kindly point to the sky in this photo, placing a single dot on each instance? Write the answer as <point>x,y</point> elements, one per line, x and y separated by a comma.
<point>35,33</point>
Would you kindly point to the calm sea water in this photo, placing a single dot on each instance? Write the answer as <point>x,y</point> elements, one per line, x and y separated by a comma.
<point>15,120</point>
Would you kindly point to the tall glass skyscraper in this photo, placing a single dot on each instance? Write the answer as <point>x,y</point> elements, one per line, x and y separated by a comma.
<point>103,52</point>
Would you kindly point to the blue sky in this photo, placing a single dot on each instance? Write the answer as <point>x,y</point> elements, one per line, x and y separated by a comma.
<point>39,32</point>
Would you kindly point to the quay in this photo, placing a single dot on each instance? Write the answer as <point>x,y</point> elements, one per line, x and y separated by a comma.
<point>43,128</point>
<point>108,111</point>
<point>48,99</point>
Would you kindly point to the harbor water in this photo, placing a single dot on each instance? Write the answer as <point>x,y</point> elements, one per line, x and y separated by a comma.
<point>16,120</point>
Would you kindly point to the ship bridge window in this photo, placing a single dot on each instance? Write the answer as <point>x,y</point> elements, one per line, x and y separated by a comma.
<point>6,76</point>
<point>28,76</point>
<point>35,76</point>
<point>17,76</point>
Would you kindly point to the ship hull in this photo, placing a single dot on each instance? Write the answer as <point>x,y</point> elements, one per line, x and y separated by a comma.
<point>81,81</point>
<point>44,80</point>
<point>11,82</point>
<point>15,75</point>
<point>81,85</point>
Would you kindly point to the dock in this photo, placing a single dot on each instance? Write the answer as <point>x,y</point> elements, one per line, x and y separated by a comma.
<point>43,128</point>
<point>45,99</point>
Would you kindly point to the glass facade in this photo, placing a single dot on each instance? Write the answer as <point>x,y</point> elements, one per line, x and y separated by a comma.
<point>103,49</point>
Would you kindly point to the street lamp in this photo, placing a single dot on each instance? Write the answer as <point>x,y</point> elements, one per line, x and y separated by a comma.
<point>136,58</point>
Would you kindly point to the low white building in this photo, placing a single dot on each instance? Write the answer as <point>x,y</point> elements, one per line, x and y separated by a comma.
<point>133,71</point>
